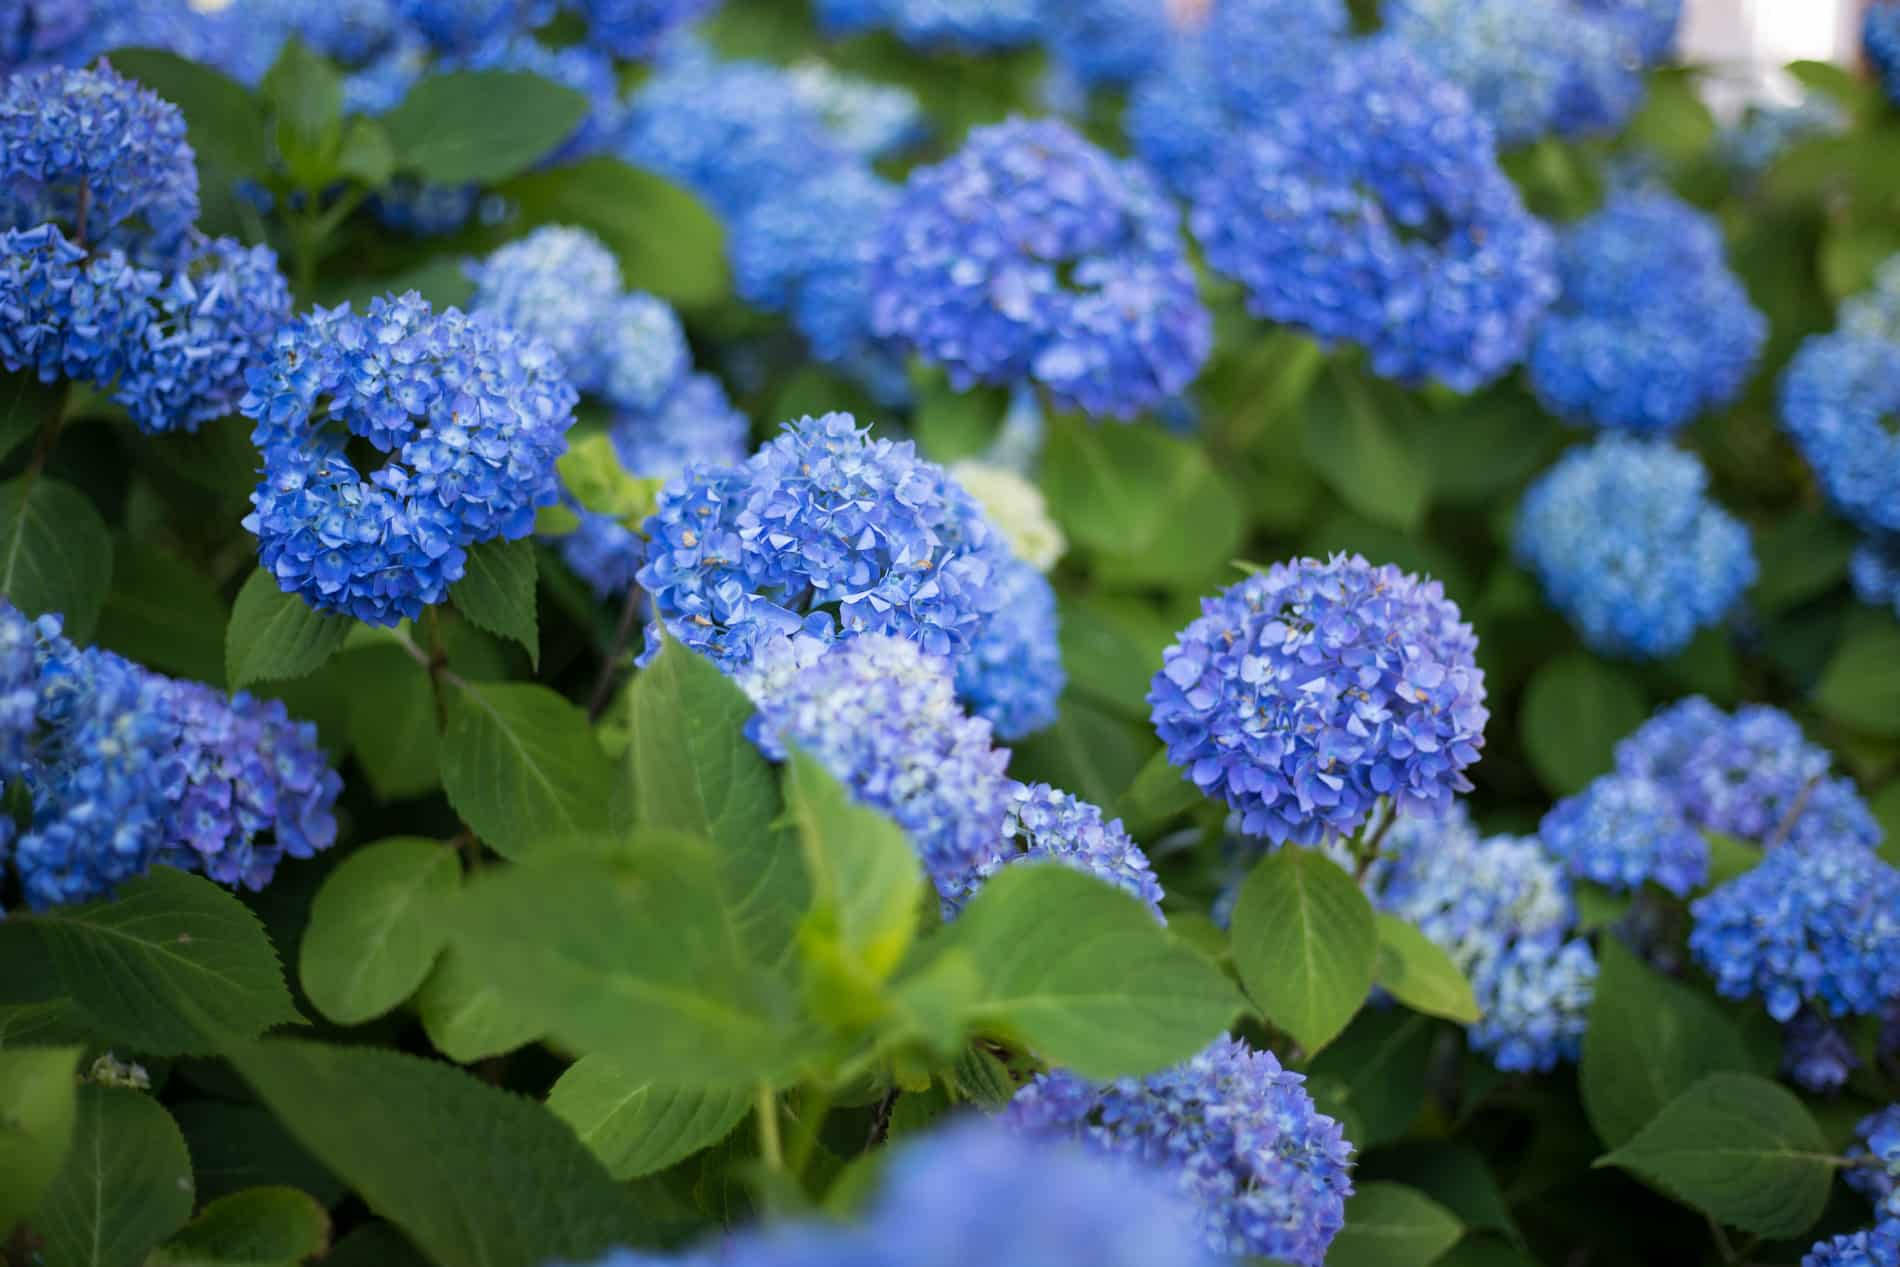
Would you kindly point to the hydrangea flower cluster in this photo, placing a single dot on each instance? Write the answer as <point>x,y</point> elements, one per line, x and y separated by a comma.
<point>1816,1054</point>
<point>881,715</point>
<point>1878,1144</point>
<point>1045,824</point>
<point>1374,212</point>
<point>868,118</point>
<point>1835,398</point>
<point>635,29</point>
<point>1017,508</point>
<point>1624,831</point>
<point>1305,694</point>
<point>1108,41</point>
<point>976,1192</point>
<point>1816,922</point>
<point>1876,1246</point>
<point>1621,351</point>
<point>472,414</point>
<point>1031,255</point>
<point>1013,674</point>
<point>1630,548</point>
<point>975,25</point>
<point>808,252</point>
<point>1875,571</point>
<point>1880,39</point>
<point>1501,907</point>
<point>454,26</point>
<point>126,768</point>
<point>1233,1131</point>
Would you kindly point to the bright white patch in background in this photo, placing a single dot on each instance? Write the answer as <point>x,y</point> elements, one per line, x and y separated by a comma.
<point>1745,44</point>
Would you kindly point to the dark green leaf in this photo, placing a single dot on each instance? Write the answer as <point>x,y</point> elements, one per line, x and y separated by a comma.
<point>392,722</point>
<point>163,614</point>
<point>223,120</point>
<point>26,406</point>
<point>36,1123</point>
<point>1159,793</point>
<point>475,1176</point>
<point>497,592</point>
<point>1391,1225</point>
<point>367,157</point>
<point>1415,971</point>
<point>376,927</point>
<point>1356,438</point>
<point>1803,554</point>
<point>522,768</point>
<point>1487,446</point>
<point>172,964</point>
<point>239,1146</point>
<point>274,636</point>
<point>305,94</point>
<point>1089,751</point>
<point>260,1227</point>
<point>465,1015</point>
<point>125,1187</point>
<point>1111,647</point>
<point>374,1245</point>
<point>951,424</point>
<point>481,126</point>
<point>55,553</point>
<point>1377,1071</point>
<point>1740,1149</point>
<point>1861,685</point>
<point>636,1127</point>
<point>1306,944</point>
<point>1456,1175</point>
<point>1576,708</point>
<point>1728,858</point>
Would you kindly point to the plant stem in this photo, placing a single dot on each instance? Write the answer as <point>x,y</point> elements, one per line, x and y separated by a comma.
<point>438,661</point>
<point>1788,820</point>
<point>812,1109</point>
<point>766,1110</point>
<point>610,663</point>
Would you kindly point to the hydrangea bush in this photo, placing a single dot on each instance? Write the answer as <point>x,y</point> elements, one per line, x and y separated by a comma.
<point>913,633</point>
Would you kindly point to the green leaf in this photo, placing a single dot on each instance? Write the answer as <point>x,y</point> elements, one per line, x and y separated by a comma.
<point>695,771</point>
<point>36,1124</point>
<point>260,1227</point>
<point>274,636</point>
<point>481,126</point>
<point>636,1127</point>
<point>1456,1175</point>
<point>239,1146</point>
<point>1078,970</point>
<point>1375,1073</point>
<point>26,406</point>
<point>522,768</point>
<point>1306,944</point>
<point>1861,684</point>
<point>1356,439</point>
<point>951,424</point>
<point>1160,792</point>
<point>391,710</point>
<point>1487,446</point>
<point>1090,752</point>
<point>1650,1039</point>
<point>1803,554</point>
<point>1413,969</point>
<point>1740,1149</point>
<point>171,965</point>
<point>367,156</point>
<point>1576,708</point>
<point>634,955</point>
<point>374,1245</point>
<point>1728,858</point>
<point>163,613</point>
<point>475,1176</point>
<point>55,552</point>
<point>666,240</point>
<point>222,119</point>
<point>592,471</point>
<point>1391,1225</point>
<point>305,93</point>
<point>497,592</point>
<point>376,927</point>
<point>125,1185</point>
<point>465,1016</point>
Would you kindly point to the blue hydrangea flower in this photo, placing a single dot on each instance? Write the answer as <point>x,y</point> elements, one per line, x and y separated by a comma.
<point>1031,255</point>
<point>1875,572</point>
<point>1233,1132</point>
<point>350,32</point>
<point>1878,1143</point>
<point>64,315</point>
<point>460,25</point>
<point>881,715</point>
<point>1875,312</point>
<point>422,210</point>
<point>1880,40</point>
<point>633,30</point>
<point>1045,824</point>
<point>472,415</point>
<point>639,354</point>
<point>1744,774</point>
<point>1305,694</point>
<point>1816,923</point>
<point>97,155</point>
<point>603,552</point>
<point>1835,398</point>
<point>974,25</point>
<point>1109,41</point>
<point>868,118</point>
<point>826,531</point>
<point>1651,24</point>
<point>1622,831</point>
<point>1536,999</point>
<point>1768,130</point>
<point>1876,1246</point>
<point>557,285</point>
<point>1013,673</point>
<point>1629,547</point>
<point>33,32</point>
<point>808,251</point>
<point>1374,212</point>
<point>1817,1055</point>
<point>1620,350</point>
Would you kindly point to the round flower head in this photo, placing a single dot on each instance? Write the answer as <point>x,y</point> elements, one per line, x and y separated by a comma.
<point>472,415</point>
<point>1031,255</point>
<point>70,315</point>
<point>1876,1246</point>
<point>557,285</point>
<point>1233,1131</point>
<point>1109,41</point>
<point>460,25</point>
<point>1879,1143</point>
<point>1835,400</point>
<point>640,353</point>
<point>1535,999</point>
<point>1013,674</point>
<point>824,530</point>
<point>808,252</point>
<point>1630,549</point>
<point>1817,1055</point>
<point>978,25</point>
<point>99,156</point>
<point>1875,572</point>
<point>1018,510</point>
<point>33,32</point>
<point>1045,824</point>
<point>1622,351</point>
<point>867,117</point>
<point>1622,832</point>
<point>633,30</point>
<point>1373,211</point>
<point>351,32</point>
<point>881,715</point>
<point>1880,40</point>
<point>1815,923</point>
<point>1306,693</point>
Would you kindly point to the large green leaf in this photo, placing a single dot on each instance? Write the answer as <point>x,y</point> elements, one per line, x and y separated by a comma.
<point>1861,685</point>
<point>26,406</point>
<point>260,1227</point>
<point>1090,752</point>
<point>36,1124</point>
<point>274,635</point>
<point>1306,944</point>
<point>497,592</point>
<point>1650,1039</point>
<point>695,771</point>
<point>1415,971</point>
<point>392,719</point>
<point>635,955</point>
<point>172,964</point>
<point>164,614</point>
<point>1375,1073</point>
<point>522,767</point>
<point>55,552</point>
<point>1391,1225</point>
<point>466,1016</point>
<point>376,927</point>
<point>1740,1149</point>
<point>1357,438</point>
<point>476,1176</point>
<point>1575,710</point>
<point>224,123</point>
<point>125,1186</point>
<point>636,1127</point>
<point>239,1146</point>
<point>480,126</point>
<point>1078,970</point>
